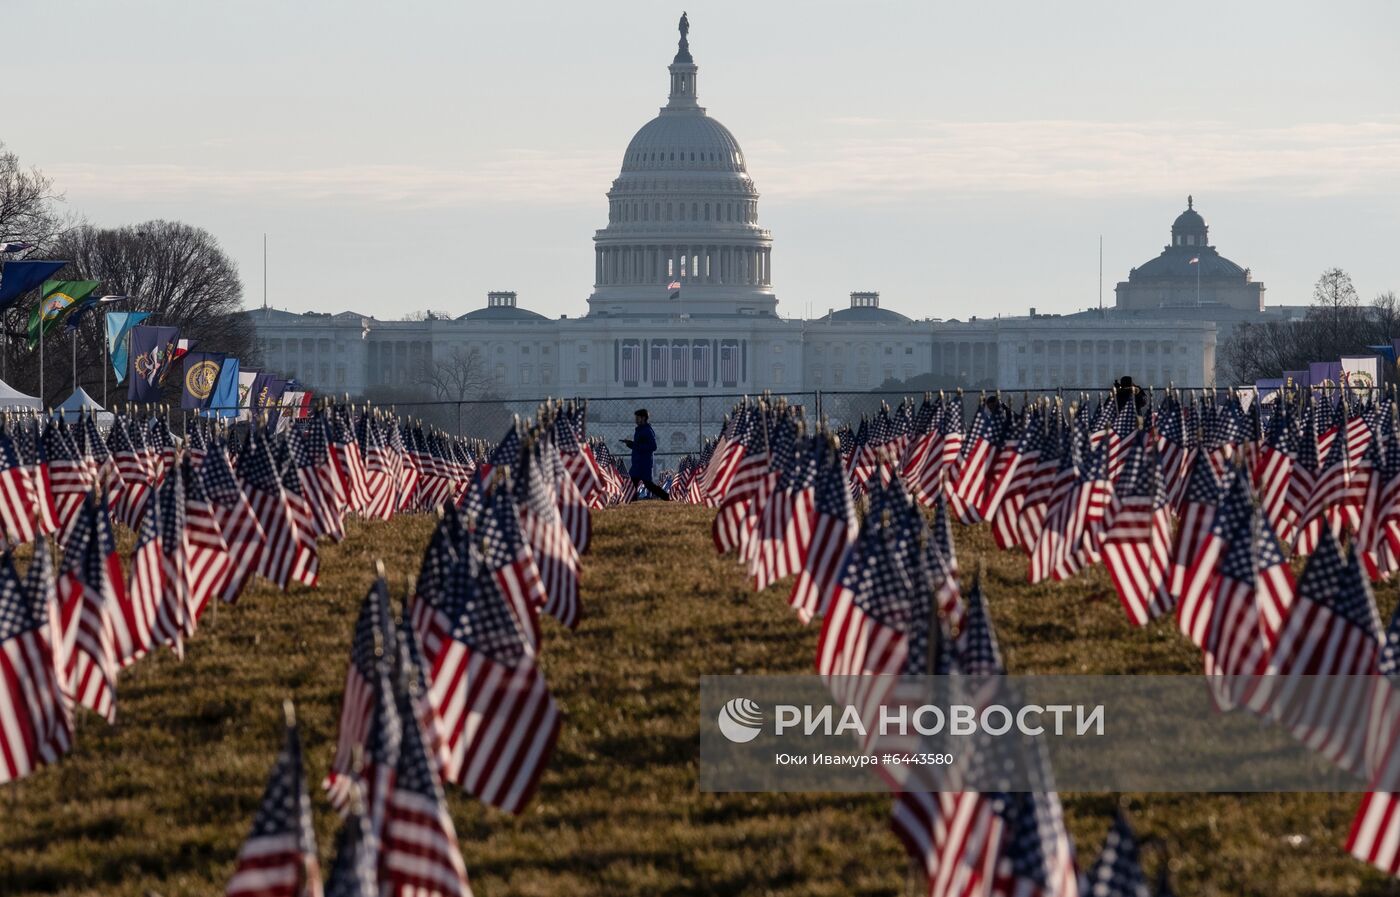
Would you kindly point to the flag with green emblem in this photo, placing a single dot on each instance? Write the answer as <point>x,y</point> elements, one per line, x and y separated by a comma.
<point>56,299</point>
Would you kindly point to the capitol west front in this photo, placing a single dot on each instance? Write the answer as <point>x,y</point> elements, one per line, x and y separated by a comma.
<point>683,210</point>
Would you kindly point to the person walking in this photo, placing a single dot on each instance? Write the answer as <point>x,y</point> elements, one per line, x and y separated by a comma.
<point>643,446</point>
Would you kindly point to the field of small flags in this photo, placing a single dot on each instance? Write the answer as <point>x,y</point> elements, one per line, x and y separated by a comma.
<point>1198,508</point>
<point>405,663</point>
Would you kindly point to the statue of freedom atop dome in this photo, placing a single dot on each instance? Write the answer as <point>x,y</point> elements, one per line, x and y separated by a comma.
<point>683,51</point>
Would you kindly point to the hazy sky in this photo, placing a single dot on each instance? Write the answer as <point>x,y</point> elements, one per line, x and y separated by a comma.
<point>959,157</point>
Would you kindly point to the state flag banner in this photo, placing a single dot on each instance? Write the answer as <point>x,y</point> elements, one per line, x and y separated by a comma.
<point>225,399</point>
<point>57,298</point>
<point>247,383</point>
<point>18,278</point>
<point>119,326</point>
<point>152,349</point>
<point>202,372</point>
<point>1361,373</point>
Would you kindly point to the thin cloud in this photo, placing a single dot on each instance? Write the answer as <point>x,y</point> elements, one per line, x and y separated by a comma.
<point>855,159</point>
<point>884,161</point>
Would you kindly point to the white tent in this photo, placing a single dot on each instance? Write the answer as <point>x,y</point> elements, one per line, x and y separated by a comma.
<point>80,401</point>
<point>11,399</point>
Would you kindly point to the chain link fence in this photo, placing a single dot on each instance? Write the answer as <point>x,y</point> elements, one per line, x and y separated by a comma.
<point>683,423</point>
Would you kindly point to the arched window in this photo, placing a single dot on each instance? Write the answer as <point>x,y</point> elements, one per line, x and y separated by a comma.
<point>694,211</point>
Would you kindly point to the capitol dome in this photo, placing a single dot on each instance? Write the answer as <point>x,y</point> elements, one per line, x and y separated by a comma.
<point>683,211</point>
<point>683,142</point>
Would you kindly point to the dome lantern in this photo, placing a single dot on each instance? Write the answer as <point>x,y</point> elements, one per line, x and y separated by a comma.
<point>683,72</point>
<point>1189,228</point>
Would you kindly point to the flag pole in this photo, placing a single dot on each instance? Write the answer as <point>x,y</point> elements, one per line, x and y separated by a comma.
<point>41,353</point>
<point>75,357</point>
<point>106,359</point>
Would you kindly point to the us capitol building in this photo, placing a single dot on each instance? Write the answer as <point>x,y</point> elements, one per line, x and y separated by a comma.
<point>684,210</point>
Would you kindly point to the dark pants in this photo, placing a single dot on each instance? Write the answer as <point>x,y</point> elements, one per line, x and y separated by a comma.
<point>654,489</point>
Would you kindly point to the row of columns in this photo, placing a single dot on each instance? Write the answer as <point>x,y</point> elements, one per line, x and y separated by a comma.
<point>976,360</point>
<point>750,265</point>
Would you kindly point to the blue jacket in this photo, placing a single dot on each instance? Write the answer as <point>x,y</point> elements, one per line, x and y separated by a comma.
<point>643,445</point>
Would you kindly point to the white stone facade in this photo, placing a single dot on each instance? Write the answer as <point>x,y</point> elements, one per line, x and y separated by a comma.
<point>683,218</point>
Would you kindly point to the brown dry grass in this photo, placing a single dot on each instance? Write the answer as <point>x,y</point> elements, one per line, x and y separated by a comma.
<point>161,801</point>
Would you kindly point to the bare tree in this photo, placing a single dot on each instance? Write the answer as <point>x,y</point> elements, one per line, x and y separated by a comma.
<point>1335,307</point>
<point>1385,315</point>
<point>1336,325</point>
<point>458,377</point>
<point>462,387</point>
<point>175,271</point>
<point>27,203</point>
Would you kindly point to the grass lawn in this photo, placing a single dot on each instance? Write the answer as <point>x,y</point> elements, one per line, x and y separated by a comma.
<point>160,802</point>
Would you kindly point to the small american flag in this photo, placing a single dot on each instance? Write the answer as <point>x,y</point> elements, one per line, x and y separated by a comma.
<point>279,857</point>
<point>420,855</point>
<point>1117,871</point>
<point>543,528</point>
<point>1274,470</point>
<point>136,477</point>
<point>17,508</point>
<point>866,636</point>
<point>1189,579</point>
<point>374,635</point>
<point>979,450</point>
<point>70,476</point>
<point>1375,832</point>
<point>317,478</point>
<point>510,561</point>
<point>675,289</point>
<point>1254,591</point>
<point>238,522</point>
<point>354,873</point>
<point>39,729</point>
<point>1138,538</point>
<point>834,529</point>
<point>499,720</point>
<point>289,552</point>
<point>1332,630</point>
<point>90,592</point>
<point>210,564</point>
